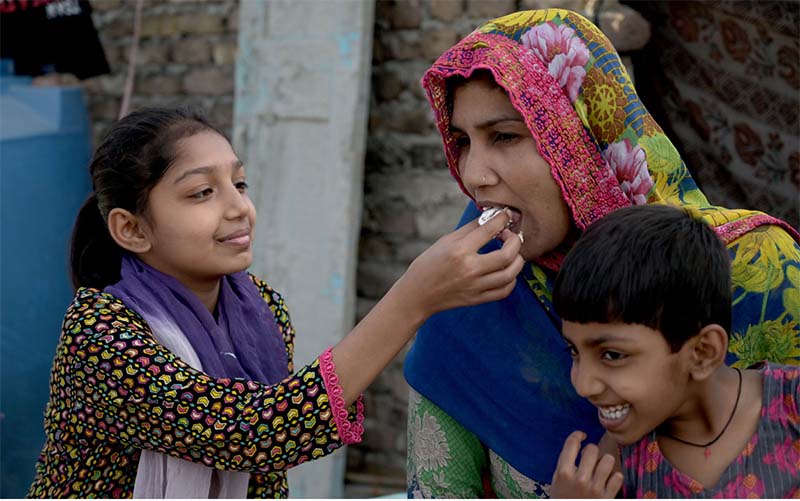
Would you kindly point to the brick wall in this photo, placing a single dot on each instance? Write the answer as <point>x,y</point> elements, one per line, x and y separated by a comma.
<point>187,55</point>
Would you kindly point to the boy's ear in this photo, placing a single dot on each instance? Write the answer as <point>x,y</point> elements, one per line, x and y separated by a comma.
<point>126,229</point>
<point>707,351</point>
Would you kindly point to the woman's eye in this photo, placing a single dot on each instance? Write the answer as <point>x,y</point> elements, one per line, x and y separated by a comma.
<point>572,351</point>
<point>504,137</point>
<point>462,142</point>
<point>242,186</point>
<point>613,356</point>
<point>202,194</point>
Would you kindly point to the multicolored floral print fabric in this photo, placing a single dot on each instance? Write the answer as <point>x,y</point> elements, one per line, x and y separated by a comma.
<point>729,86</point>
<point>115,391</point>
<point>768,466</point>
<point>606,151</point>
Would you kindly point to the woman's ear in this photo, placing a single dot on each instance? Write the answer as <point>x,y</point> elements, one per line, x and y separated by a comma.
<point>707,351</point>
<point>126,229</point>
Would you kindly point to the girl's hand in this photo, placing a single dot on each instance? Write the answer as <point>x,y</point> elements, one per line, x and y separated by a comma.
<point>451,273</point>
<point>594,477</point>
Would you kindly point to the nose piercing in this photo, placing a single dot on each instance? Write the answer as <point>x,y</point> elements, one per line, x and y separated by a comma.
<point>483,179</point>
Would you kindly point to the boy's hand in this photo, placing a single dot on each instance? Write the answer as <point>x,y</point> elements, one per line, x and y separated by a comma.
<point>594,477</point>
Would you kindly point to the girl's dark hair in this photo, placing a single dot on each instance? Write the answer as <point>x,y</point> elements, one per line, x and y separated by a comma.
<point>653,265</point>
<point>132,157</point>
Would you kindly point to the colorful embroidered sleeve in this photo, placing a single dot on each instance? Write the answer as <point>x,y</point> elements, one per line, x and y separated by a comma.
<point>121,385</point>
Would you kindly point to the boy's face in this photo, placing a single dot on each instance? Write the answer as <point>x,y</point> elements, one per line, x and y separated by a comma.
<point>629,373</point>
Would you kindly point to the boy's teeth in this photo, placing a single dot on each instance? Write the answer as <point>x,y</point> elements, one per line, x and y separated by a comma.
<point>615,412</point>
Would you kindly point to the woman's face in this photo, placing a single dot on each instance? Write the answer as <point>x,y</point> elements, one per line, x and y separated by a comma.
<point>500,165</point>
<point>199,218</point>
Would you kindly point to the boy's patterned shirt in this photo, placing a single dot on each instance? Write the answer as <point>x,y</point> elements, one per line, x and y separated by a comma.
<point>114,390</point>
<point>768,466</point>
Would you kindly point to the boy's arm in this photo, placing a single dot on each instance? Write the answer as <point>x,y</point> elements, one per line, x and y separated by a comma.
<point>597,474</point>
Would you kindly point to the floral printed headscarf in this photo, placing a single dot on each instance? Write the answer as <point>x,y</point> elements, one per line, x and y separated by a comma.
<point>606,151</point>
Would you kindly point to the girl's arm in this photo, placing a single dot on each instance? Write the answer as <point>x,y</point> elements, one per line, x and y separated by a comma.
<point>114,382</point>
<point>449,274</point>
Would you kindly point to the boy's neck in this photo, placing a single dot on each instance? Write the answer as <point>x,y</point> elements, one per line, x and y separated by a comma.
<point>704,416</point>
<point>709,405</point>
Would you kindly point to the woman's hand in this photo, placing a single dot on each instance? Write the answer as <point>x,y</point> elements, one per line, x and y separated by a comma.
<point>594,477</point>
<point>451,273</point>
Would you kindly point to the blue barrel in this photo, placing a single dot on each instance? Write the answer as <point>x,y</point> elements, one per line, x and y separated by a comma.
<point>44,153</point>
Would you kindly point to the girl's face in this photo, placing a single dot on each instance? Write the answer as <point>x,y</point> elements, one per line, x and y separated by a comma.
<point>199,219</point>
<point>629,373</point>
<point>500,165</point>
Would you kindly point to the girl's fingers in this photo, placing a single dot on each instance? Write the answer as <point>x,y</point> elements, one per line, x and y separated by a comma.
<point>502,257</point>
<point>495,294</point>
<point>481,235</point>
<point>502,277</point>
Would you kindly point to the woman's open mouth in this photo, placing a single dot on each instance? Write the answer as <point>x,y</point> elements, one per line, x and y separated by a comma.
<point>489,211</point>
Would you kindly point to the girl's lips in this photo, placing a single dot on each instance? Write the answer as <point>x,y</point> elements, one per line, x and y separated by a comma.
<point>243,241</point>
<point>240,239</point>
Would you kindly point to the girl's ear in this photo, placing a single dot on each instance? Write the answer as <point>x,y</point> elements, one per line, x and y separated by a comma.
<point>126,229</point>
<point>707,351</point>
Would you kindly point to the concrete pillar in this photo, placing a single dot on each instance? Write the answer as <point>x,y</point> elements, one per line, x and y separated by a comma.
<point>300,115</point>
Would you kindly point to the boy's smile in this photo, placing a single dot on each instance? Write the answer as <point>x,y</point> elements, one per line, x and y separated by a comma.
<point>629,373</point>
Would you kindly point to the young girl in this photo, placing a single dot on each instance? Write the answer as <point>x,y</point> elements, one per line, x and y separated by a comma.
<point>645,297</point>
<point>173,375</point>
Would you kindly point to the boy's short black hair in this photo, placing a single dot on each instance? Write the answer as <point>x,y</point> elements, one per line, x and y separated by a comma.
<point>653,265</point>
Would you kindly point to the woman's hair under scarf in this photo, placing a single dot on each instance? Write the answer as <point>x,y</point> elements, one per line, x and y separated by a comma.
<point>501,369</point>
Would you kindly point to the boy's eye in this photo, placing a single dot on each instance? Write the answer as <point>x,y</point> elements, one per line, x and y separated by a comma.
<point>613,356</point>
<point>242,186</point>
<point>202,194</point>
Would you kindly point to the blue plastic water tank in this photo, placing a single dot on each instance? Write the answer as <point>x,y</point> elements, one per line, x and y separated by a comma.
<point>44,152</point>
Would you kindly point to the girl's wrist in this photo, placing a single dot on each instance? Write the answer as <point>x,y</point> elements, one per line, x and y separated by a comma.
<point>411,302</point>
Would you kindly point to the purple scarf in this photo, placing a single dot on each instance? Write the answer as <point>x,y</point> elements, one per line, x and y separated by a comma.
<point>243,342</point>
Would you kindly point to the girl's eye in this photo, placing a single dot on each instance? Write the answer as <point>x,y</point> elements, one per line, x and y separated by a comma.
<point>202,194</point>
<point>572,351</point>
<point>613,356</point>
<point>242,186</point>
<point>462,141</point>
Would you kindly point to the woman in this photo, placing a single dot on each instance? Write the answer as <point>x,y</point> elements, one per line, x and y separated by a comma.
<point>538,114</point>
